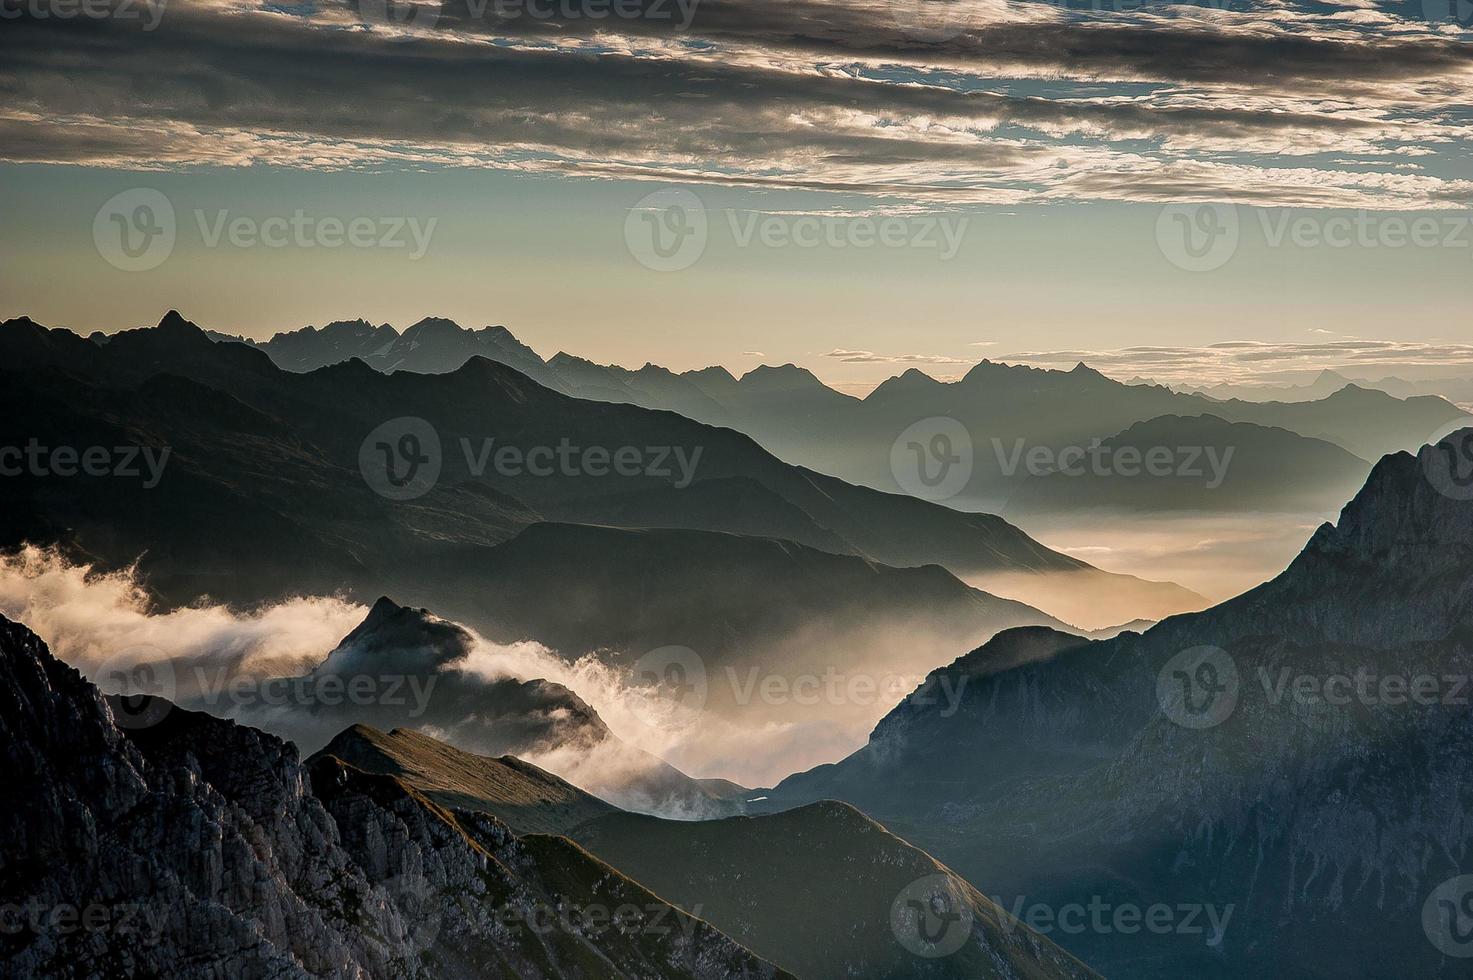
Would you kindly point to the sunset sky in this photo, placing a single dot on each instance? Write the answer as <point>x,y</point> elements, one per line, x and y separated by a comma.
<point>878,185</point>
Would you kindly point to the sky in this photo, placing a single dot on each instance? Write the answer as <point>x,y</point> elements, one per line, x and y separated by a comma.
<point>856,186</point>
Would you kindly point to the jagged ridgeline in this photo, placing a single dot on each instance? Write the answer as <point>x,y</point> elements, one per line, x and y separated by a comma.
<point>1290,769</point>
<point>193,846</point>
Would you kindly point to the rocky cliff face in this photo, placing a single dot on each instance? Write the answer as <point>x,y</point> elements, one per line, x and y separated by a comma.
<point>1300,754</point>
<point>195,847</point>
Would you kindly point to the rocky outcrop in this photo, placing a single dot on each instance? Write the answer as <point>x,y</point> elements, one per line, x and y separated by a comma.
<point>1300,753</point>
<point>170,843</point>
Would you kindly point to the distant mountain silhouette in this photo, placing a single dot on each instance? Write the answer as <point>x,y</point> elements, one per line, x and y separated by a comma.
<point>793,415</point>
<point>264,494</point>
<point>1449,383</point>
<point>433,345</point>
<point>1190,765</point>
<point>1210,465</point>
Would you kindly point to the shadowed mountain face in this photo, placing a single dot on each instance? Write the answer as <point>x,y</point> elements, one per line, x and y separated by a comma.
<point>760,601</point>
<point>269,484</point>
<point>418,671</point>
<point>1299,754</point>
<point>207,849</point>
<point>1231,466</point>
<point>822,891</point>
<point>827,893</point>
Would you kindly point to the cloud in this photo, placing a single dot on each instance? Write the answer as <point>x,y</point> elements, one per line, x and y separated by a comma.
<point>870,357</point>
<point>1000,102</point>
<point>1247,362</point>
<point>484,697</point>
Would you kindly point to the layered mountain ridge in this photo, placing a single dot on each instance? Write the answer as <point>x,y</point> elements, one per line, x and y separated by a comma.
<point>214,851</point>
<point>1254,755</point>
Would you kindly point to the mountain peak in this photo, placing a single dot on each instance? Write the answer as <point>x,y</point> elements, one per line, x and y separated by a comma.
<point>438,324</point>
<point>911,380</point>
<point>398,637</point>
<point>781,376</point>
<point>174,321</point>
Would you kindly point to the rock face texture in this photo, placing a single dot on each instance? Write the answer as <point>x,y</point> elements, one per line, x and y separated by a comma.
<point>1300,754</point>
<point>137,842</point>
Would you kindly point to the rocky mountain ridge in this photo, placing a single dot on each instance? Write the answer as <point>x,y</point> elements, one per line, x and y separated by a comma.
<point>194,847</point>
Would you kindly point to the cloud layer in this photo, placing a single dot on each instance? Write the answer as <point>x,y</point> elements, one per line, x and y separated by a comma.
<point>942,102</point>
<point>1248,362</point>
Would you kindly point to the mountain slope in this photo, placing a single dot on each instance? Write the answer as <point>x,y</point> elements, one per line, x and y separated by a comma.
<point>421,671</point>
<point>213,851</point>
<point>795,416</point>
<point>846,878</point>
<point>1230,758</point>
<point>1221,466</point>
<point>524,797</point>
<point>273,464</point>
<point>840,874</point>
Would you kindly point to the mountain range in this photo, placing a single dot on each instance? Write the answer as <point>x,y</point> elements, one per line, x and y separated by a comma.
<point>1450,383</point>
<point>1227,758</point>
<point>269,492</point>
<point>210,848</point>
<point>1275,785</point>
<point>811,890</point>
<point>799,419</point>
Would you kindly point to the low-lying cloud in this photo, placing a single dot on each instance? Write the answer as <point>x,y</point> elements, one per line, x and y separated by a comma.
<point>269,667</point>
